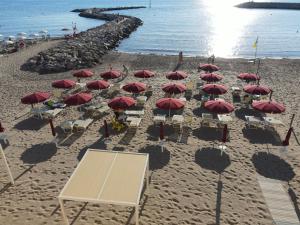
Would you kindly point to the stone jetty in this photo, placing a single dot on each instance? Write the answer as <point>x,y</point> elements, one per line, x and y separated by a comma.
<point>86,48</point>
<point>269,5</point>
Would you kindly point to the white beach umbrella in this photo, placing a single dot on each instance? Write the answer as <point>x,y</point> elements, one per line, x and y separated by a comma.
<point>35,35</point>
<point>12,37</point>
<point>22,38</point>
<point>9,42</point>
<point>43,32</point>
<point>22,34</point>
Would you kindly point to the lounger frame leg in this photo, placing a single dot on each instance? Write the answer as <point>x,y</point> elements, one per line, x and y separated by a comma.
<point>137,215</point>
<point>7,166</point>
<point>147,178</point>
<point>63,213</point>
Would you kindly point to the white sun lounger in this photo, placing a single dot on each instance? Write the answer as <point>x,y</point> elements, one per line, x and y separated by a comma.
<point>51,113</point>
<point>80,125</point>
<point>67,126</point>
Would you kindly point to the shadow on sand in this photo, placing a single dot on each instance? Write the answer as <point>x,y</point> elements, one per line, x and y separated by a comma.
<point>262,136</point>
<point>154,131</point>
<point>30,124</point>
<point>242,112</point>
<point>272,166</point>
<point>212,159</point>
<point>39,153</point>
<point>157,158</point>
<point>99,144</point>
<point>199,110</point>
<point>208,133</point>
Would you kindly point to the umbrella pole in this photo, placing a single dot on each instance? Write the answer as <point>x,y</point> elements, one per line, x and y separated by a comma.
<point>292,120</point>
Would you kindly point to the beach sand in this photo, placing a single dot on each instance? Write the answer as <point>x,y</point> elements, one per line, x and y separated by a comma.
<point>190,182</point>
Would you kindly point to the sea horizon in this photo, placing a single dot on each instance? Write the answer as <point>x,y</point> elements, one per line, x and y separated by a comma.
<point>195,27</point>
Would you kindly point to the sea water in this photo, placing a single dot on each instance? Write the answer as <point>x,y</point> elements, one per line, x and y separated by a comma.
<point>196,27</point>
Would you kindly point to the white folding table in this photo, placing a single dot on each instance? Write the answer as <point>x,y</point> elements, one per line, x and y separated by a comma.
<point>107,177</point>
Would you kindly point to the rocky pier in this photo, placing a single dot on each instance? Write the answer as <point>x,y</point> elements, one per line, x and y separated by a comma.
<point>86,49</point>
<point>269,5</point>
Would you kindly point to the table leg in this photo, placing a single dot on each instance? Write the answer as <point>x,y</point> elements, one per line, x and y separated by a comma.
<point>137,215</point>
<point>64,216</point>
<point>6,165</point>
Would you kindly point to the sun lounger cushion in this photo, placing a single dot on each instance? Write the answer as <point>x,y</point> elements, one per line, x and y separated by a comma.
<point>82,124</point>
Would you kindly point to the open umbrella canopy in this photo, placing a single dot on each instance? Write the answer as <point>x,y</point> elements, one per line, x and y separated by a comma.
<point>121,103</point>
<point>219,106</point>
<point>134,87</point>
<point>211,77</point>
<point>209,67</point>
<point>176,75</point>
<point>248,76</point>
<point>169,103</point>
<point>214,89</point>
<point>257,89</point>
<point>83,73</point>
<point>97,84</point>
<point>268,106</point>
<point>144,74</point>
<point>78,99</point>
<point>35,97</point>
<point>111,74</point>
<point>66,84</point>
<point>174,88</point>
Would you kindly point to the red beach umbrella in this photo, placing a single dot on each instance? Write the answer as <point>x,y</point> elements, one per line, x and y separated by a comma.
<point>257,89</point>
<point>249,77</point>
<point>78,99</point>
<point>111,74</point>
<point>211,77</point>
<point>174,88</point>
<point>225,131</point>
<point>268,106</point>
<point>144,74</point>
<point>169,103</point>
<point>176,75</point>
<point>219,106</point>
<point>66,84</point>
<point>121,103</point>
<point>35,97</point>
<point>134,87</point>
<point>286,141</point>
<point>83,73</point>
<point>97,85</point>
<point>209,67</point>
<point>214,89</point>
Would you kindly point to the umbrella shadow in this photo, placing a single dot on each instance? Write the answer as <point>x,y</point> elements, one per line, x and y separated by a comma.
<point>99,144</point>
<point>154,131</point>
<point>158,111</point>
<point>126,139</point>
<point>272,166</point>
<point>66,139</point>
<point>39,153</point>
<point>157,158</point>
<point>212,159</point>
<point>30,124</point>
<point>197,97</point>
<point>262,136</point>
<point>294,198</point>
<point>242,112</point>
<point>208,133</point>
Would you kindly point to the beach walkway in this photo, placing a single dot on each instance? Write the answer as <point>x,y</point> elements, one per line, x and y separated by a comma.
<point>278,201</point>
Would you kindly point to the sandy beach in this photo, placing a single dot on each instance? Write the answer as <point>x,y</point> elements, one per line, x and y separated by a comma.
<point>190,182</point>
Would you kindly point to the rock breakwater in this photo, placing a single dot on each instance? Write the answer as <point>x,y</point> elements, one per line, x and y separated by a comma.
<point>87,48</point>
